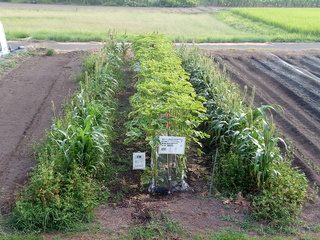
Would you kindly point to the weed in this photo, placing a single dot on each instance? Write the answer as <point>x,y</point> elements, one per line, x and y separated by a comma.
<point>50,52</point>
<point>246,225</point>
<point>159,227</point>
<point>20,236</point>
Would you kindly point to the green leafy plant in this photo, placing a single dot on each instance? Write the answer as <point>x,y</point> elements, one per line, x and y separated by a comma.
<point>51,52</point>
<point>281,202</point>
<point>55,201</point>
<point>159,227</point>
<point>165,103</point>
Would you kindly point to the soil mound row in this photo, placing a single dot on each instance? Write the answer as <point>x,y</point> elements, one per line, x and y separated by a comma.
<point>290,80</point>
<point>28,94</point>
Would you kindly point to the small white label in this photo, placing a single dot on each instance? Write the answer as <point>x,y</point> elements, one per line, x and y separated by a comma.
<point>172,145</point>
<point>139,160</point>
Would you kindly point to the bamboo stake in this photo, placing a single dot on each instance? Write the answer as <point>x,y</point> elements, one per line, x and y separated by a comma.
<point>212,176</point>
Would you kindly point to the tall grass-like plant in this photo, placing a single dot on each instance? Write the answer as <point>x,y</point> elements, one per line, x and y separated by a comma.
<point>234,127</point>
<point>249,157</point>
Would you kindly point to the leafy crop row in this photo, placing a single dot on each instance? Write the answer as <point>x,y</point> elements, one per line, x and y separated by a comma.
<point>246,142</point>
<point>63,188</point>
<point>165,103</point>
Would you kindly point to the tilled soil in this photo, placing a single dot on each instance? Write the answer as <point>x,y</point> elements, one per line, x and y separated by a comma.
<point>28,94</point>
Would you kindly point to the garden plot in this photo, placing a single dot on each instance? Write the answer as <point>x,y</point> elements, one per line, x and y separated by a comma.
<point>290,80</point>
<point>42,79</point>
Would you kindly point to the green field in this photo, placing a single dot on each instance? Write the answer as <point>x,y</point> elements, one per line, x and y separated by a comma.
<point>184,3</point>
<point>237,25</point>
<point>293,20</point>
<point>71,25</point>
<point>263,3</point>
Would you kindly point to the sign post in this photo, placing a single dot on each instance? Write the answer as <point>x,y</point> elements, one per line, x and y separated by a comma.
<point>139,163</point>
<point>171,146</point>
<point>3,42</point>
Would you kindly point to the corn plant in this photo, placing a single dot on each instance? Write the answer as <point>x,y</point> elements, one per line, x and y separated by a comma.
<point>249,157</point>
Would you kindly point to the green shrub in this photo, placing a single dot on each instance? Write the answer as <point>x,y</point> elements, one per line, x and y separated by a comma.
<point>176,3</point>
<point>281,202</point>
<point>51,52</point>
<point>53,201</point>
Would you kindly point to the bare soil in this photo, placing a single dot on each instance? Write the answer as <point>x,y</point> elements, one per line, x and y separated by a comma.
<point>290,79</point>
<point>28,93</point>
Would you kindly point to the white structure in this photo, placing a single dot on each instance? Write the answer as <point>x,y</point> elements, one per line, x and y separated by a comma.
<point>3,42</point>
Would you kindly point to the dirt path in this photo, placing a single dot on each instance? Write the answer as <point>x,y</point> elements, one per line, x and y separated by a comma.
<point>27,93</point>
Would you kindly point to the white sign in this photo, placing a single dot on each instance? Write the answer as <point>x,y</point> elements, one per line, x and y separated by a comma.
<point>3,42</point>
<point>172,145</point>
<point>139,160</point>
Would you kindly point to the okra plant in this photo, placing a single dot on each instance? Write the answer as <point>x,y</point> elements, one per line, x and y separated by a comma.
<point>165,102</point>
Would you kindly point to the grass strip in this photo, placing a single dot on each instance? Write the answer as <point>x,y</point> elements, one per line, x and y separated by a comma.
<point>84,25</point>
<point>262,31</point>
<point>262,3</point>
<point>294,20</point>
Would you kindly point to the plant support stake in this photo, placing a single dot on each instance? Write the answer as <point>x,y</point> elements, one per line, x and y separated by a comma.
<point>212,176</point>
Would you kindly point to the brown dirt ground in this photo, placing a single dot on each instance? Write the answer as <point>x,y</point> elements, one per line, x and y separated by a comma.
<point>28,90</point>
